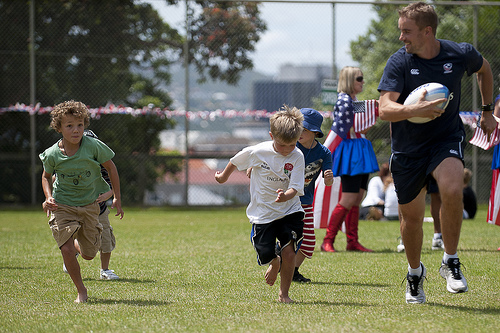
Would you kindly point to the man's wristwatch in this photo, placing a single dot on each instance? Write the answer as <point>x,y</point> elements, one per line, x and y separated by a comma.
<point>487,107</point>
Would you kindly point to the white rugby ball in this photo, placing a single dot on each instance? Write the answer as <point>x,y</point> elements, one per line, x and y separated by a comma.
<point>434,91</point>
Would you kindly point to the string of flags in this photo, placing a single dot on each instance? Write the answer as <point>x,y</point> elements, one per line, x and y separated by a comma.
<point>149,110</point>
<point>471,119</point>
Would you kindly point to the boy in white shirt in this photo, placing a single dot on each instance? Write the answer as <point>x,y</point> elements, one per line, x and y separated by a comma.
<point>277,182</point>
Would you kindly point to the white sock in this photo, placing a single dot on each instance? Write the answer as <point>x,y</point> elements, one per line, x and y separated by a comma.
<point>438,235</point>
<point>447,256</point>
<point>415,271</point>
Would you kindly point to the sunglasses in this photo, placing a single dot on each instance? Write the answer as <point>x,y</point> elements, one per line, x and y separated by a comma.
<point>359,79</point>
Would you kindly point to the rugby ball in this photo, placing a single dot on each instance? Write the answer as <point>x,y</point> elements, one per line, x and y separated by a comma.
<point>434,91</point>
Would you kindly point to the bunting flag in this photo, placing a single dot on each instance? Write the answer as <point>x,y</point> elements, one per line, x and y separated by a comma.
<point>494,202</point>
<point>365,114</point>
<point>327,197</point>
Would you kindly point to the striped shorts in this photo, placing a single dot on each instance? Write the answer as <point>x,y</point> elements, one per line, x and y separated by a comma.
<point>309,241</point>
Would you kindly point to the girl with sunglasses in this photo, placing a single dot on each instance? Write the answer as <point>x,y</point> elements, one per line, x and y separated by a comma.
<point>353,161</point>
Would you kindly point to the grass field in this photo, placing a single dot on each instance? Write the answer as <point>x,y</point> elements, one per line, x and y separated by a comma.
<point>195,270</point>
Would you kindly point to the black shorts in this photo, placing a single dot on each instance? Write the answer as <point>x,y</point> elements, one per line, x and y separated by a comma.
<point>352,184</point>
<point>432,186</point>
<point>411,174</point>
<point>287,230</point>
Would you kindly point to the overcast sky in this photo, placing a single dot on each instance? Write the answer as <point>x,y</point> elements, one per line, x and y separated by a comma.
<point>298,34</point>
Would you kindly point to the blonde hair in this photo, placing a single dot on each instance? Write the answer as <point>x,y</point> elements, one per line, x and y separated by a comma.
<point>347,76</point>
<point>467,176</point>
<point>77,109</point>
<point>286,124</point>
<point>422,13</point>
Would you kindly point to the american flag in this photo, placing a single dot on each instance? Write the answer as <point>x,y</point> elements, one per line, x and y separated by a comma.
<point>494,202</point>
<point>327,197</point>
<point>365,114</point>
<point>480,139</point>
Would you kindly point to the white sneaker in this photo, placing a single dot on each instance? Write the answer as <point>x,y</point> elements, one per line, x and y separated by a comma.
<point>415,287</point>
<point>437,244</point>
<point>455,280</point>
<point>64,266</point>
<point>108,274</point>
<point>401,246</point>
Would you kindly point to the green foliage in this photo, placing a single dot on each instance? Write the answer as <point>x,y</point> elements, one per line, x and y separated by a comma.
<point>85,51</point>
<point>223,36</point>
<point>135,141</point>
<point>113,51</point>
<point>372,50</point>
<point>196,271</point>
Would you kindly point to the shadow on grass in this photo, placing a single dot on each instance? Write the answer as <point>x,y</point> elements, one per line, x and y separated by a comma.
<point>427,251</point>
<point>120,280</point>
<point>327,303</point>
<point>136,302</point>
<point>468,309</point>
<point>350,284</point>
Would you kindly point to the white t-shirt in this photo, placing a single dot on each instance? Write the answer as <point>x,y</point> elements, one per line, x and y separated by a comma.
<point>391,201</point>
<point>374,193</point>
<point>271,171</point>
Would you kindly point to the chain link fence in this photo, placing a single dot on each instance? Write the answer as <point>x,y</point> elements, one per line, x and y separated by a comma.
<point>135,86</point>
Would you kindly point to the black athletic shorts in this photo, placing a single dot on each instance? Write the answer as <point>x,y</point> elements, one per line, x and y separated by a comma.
<point>432,186</point>
<point>287,230</point>
<point>352,184</point>
<point>411,174</point>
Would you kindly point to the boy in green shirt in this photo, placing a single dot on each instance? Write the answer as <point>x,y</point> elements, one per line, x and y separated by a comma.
<point>73,196</point>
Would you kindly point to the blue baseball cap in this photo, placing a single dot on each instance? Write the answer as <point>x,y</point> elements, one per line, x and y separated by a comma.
<point>312,121</point>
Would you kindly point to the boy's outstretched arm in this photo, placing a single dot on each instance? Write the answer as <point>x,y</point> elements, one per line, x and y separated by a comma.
<point>222,177</point>
<point>115,184</point>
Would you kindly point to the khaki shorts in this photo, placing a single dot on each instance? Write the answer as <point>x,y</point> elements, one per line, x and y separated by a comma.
<point>81,223</point>
<point>108,241</point>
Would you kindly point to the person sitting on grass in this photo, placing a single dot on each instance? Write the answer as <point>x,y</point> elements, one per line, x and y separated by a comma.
<point>277,182</point>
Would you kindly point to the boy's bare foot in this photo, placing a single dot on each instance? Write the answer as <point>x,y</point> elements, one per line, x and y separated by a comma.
<point>286,300</point>
<point>272,271</point>
<point>82,298</point>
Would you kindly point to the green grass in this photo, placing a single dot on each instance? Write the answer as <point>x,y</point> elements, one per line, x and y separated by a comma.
<point>196,270</point>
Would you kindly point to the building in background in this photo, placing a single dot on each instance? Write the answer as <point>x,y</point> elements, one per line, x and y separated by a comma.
<point>293,86</point>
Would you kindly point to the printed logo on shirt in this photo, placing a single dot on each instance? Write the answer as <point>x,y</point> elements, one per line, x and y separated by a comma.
<point>265,166</point>
<point>453,151</point>
<point>76,177</point>
<point>311,170</point>
<point>288,169</point>
<point>276,179</point>
<point>414,71</point>
<point>448,68</point>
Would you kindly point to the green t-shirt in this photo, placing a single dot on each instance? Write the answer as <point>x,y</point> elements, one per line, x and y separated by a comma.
<point>78,177</point>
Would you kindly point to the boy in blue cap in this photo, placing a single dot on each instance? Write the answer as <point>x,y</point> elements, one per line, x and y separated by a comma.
<point>318,158</point>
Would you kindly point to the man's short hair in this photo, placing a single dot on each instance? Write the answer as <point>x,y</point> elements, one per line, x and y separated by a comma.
<point>422,13</point>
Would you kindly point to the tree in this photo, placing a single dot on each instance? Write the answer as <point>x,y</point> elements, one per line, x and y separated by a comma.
<point>222,36</point>
<point>113,51</point>
<point>96,51</point>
